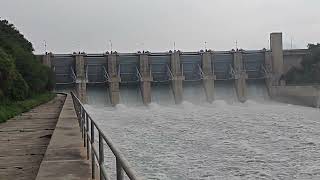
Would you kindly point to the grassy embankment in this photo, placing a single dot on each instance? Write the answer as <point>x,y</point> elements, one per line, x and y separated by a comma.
<point>9,109</point>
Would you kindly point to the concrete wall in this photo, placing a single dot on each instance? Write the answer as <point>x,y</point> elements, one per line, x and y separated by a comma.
<point>240,76</point>
<point>276,57</point>
<point>208,79</point>
<point>301,95</point>
<point>114,80</point>
<point>213,63</point>
<point>177,78</point>
<point>146,78</point>
<point>81,80</point>
<point>46,59</point>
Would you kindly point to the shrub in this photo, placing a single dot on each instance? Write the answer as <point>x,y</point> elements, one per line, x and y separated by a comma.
<point>37,76</point>
<point>310,71</point>
<point>10,109</point>
<point>12,85</point>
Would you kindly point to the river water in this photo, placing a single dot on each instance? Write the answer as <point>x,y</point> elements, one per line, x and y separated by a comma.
<point>254,140</point>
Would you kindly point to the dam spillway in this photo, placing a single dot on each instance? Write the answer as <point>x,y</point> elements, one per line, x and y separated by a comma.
<point>178,71</point>
<point>239,134</point>
<point>145,71</point>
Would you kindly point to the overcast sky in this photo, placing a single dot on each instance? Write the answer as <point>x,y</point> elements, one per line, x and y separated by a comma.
<point>131,25</point>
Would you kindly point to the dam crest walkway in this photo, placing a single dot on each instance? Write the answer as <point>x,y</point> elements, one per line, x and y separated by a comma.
<point>44,143</point>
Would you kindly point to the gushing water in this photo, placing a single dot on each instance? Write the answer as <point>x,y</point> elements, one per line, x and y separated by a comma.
<point>257,90</point>
<point>194,93</point>
<point>130,95</point>
<point>98,95</point>
<point>225,91</point>
<point>162,94</point>
<point>238,141</point>
<point>251,140</point>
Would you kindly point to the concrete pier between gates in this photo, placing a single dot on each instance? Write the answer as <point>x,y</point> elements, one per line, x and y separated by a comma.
<point>81,78</point>
<point>46,59</point>
<point>114,79</point>
<point>177,77</point>
<point>208,76</point>
<point>277,57</point>
<point>235,66</point>
<point>146,78</point>
<point>240,76</point>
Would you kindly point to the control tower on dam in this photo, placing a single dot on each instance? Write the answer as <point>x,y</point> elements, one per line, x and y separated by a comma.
<point>145,70</point>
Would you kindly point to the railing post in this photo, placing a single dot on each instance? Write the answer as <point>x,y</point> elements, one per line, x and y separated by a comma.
<point>119,169</point>
<point>80,117</point>
<point>87,129</point>
<point>84,128</point>
<point>81,120</point>
<point>101,156</point>
<point>87,133</point>
<point>93,162</point>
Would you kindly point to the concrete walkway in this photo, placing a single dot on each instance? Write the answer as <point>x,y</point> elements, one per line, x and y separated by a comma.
<point>65,158</point>
<point>24,140</point>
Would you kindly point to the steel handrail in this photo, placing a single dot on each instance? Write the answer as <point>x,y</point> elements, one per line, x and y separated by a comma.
<point>87,72</point>
<point>169,73</point>
<point>232,71</point>
<point>88,135</point>
<point>73,75</point>
<point>106,74</point>
<point>138,74</point>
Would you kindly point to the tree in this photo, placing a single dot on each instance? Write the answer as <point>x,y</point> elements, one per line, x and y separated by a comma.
<point>12,85</point>
<point>20,50</point>
<point>310,71</point>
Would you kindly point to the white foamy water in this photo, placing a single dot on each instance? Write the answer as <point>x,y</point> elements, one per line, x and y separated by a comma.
<point>225,91</point>
<point>98,95</point>
<point>218,141</point>
<point>162,94</point>
<point>130,95</point>
<point>194,92</point>
<point>257,90</point>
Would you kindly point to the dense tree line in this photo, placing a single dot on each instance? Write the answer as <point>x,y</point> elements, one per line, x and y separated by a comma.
<point>309,72</point>
<point>21,73</point>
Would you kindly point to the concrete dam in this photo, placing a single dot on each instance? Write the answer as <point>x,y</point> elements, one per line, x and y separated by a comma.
<point>176,76</point>
<point>209,114</point>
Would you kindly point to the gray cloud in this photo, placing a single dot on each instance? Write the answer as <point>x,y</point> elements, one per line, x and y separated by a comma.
<point>83,25</point>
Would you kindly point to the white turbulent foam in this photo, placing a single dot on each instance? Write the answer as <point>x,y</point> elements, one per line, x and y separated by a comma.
<point>257,91</point>
<point>130,95</point>
<point>97,96</point>
<point>162,94</point>
<point>194,92</point>
<point>218,141</point>
<point>225,91</point>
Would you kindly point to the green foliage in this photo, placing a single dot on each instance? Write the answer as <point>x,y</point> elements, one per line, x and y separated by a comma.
<point>37,76</point>
<point>12,84</point>
<point>310,71</point>
<point>10,109</point>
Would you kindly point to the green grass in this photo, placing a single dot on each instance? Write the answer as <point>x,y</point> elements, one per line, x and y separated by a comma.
<point>10,109</point>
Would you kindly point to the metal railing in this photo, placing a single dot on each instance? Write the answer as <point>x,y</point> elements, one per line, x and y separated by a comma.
<point>106,74</point>
<point>67,74</point>
<point>87,127</point>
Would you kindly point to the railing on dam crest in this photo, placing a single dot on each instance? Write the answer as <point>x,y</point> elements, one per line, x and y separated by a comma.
<point>89,128</point>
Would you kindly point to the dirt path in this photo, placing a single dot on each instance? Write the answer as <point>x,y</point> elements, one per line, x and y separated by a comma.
<point>24,140</point>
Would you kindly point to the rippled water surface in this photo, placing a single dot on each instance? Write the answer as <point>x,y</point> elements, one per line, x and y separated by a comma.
<point>254,140</point>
